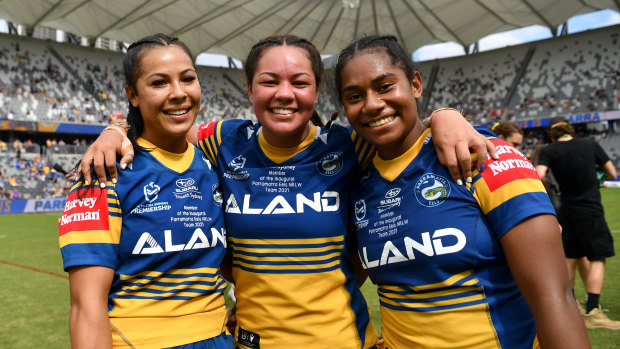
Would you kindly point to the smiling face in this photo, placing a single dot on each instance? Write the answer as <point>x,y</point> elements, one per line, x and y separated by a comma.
<point>283,92</point>
<point>167,93</point>
<point>380,102</point>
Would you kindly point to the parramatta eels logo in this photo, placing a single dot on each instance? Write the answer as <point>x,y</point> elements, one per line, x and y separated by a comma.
<point>330,164</point>
<point>151,191</point>
<point>360,214</point>
<point>217,194</point>
<point>432,190</point>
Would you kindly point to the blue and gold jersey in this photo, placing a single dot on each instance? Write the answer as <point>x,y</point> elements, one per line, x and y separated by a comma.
<point>434,249</point>
<point>161,228</point>
<point>286,212</point>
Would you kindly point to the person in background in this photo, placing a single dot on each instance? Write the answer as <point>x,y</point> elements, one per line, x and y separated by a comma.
<point>143,254</point>
<point>509,132</point>
<point>456,266</point>
<point>584,230</point>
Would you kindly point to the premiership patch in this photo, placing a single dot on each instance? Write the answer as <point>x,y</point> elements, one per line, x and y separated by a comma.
<point>248,339</point>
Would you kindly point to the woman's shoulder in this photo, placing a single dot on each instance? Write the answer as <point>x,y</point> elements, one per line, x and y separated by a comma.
<point>221,128</point>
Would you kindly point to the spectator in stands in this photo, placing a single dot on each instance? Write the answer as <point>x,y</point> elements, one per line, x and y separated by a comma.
<point>584,230</point>
<point>509,132</point>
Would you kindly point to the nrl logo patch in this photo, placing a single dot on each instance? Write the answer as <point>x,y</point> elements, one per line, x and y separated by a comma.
<point>151,192</point>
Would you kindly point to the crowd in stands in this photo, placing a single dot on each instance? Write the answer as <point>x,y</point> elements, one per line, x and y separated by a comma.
<point>577,73</point>
<point>27,174</point>
<point>50,81</point>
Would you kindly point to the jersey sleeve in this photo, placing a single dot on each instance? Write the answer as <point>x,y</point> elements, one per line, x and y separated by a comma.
<point>509,189</point>
<point>90,227</point>
<point>363,149</point>
<point>209,136</point>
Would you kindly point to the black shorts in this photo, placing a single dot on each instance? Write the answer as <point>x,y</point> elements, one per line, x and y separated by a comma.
<point>585,234</point>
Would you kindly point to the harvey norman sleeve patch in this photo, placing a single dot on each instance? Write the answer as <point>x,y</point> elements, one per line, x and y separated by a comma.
<point>86,209</point>
<point>512,165</point>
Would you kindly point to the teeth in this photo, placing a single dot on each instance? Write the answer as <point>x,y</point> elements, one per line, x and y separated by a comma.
<point>282,111</point>
<point>177,112</point>
<point>381,121</point>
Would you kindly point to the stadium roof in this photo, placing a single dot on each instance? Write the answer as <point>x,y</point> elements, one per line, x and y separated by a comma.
<point>231,27</point>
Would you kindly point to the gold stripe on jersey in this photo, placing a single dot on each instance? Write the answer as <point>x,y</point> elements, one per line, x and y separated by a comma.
<point>171,271</point>
<point>363,149</point>
<point>460,289</point>
<point>92,236</point>
<point>488,201</point>
<point>295,255</point>
<point>178,162</point>
<point>391,169</point>
<point>469,328</point>
<point>139,328</point>
<point>338,238</point>
<point>280,155</point>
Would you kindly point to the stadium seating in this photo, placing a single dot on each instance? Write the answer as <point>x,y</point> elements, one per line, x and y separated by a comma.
<point>578,73</point>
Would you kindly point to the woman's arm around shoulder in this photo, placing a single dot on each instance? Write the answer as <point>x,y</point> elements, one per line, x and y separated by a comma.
<point>535,256</point>
<point>89,323</point>
<point>453,138</point>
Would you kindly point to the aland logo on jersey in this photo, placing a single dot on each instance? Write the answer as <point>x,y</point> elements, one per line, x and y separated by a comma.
<point>330,164</point>
<point>432,190</point>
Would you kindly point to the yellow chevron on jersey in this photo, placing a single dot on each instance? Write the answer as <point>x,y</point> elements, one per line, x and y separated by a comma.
<point>390,169</point>
<point>279,155</point>
<point>488,201</point>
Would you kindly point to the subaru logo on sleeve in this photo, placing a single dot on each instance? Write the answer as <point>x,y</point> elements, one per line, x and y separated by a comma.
<point>151,191</point>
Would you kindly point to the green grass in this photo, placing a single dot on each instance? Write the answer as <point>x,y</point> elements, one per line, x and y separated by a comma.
<point>34,306</point>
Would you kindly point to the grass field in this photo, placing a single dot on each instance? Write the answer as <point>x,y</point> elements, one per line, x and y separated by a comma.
<point>34,297</point>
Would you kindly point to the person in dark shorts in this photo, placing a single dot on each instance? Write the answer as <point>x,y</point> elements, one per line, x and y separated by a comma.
<point>584,230</point>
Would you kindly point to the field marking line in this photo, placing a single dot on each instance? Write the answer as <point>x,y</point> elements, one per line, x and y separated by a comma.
<point>35,269</point>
